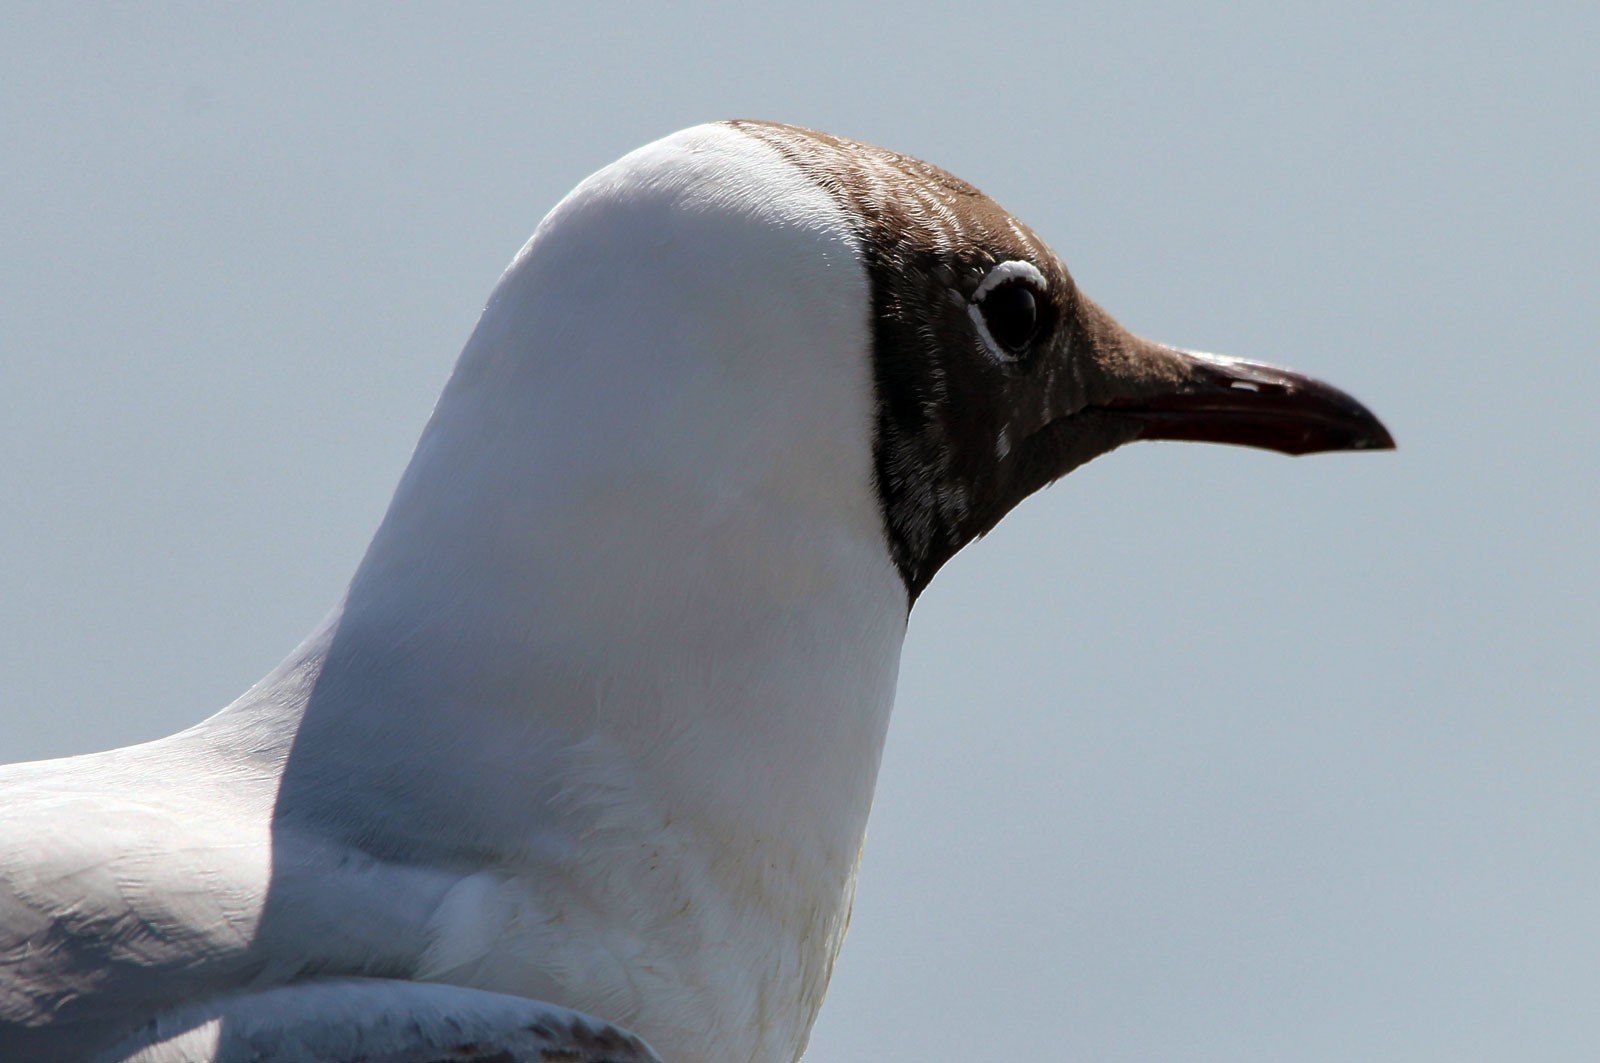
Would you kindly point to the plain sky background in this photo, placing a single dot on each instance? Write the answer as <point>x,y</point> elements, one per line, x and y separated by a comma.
<point>1204,754</point>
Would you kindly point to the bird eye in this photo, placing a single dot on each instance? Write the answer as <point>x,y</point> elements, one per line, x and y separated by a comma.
<point>1011,314</point>
<point>1010,309</point>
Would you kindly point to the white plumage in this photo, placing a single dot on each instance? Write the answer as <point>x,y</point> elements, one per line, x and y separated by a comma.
<point>597,722</point>
<point>599,718</point>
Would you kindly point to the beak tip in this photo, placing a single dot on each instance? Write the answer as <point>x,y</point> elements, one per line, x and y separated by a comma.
<point>1370,435</point>
<point>1367,434</point>
<point>1380,440</point>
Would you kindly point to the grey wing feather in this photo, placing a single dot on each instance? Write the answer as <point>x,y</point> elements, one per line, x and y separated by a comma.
<point>377,1021</point>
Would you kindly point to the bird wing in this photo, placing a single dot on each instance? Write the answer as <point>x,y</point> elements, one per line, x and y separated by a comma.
<point>378,1021</point>
<point>129,887</point>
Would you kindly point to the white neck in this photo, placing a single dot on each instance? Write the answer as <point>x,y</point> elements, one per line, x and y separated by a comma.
<point>634,584</point>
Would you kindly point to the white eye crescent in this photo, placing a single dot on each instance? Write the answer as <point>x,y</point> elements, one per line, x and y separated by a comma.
<point>1008,309</point>
<point>1013,270</point>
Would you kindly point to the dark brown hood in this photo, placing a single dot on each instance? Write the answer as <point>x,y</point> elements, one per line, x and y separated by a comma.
<point>969,425</point>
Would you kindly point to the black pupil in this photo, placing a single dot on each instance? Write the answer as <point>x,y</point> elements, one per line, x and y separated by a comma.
<point>1012,315</point>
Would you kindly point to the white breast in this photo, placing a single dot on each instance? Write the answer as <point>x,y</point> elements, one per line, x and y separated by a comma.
<point>630,626</point>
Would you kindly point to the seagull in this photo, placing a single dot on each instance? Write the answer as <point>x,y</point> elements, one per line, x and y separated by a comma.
<point>579,766</point>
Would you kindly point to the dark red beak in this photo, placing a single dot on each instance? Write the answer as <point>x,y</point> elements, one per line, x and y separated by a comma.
<point>1162,392</point>
<point>1215,399</point>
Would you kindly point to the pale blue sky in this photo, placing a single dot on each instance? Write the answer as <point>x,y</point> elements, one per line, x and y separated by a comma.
<point>1205,754</point>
